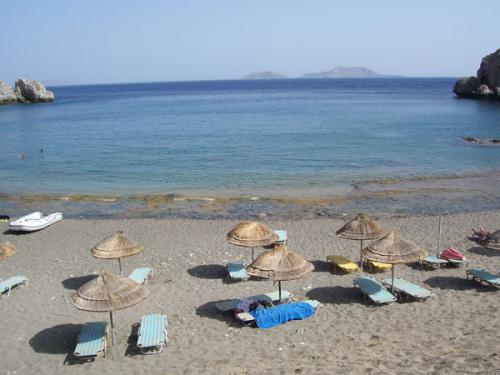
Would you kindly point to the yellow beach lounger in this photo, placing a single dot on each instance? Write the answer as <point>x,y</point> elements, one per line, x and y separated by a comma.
<point>340,262</point>
<point>379,266</point>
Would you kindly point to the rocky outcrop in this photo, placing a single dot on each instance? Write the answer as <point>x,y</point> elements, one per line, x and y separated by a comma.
<point>482,141</point>
<point>30,91</point>
<point>487,82</point>
<point>7,95</point>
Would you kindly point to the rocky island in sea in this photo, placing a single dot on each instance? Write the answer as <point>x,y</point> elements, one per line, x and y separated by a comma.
<point>265,75</point>
<point>486,84</point>
<point>25,91</point>
<point>348,72</point>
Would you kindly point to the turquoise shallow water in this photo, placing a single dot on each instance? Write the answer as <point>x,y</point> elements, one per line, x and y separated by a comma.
<point>307,138</point>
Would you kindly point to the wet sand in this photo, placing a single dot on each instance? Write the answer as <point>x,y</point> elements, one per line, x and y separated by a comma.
<point>454,332</point>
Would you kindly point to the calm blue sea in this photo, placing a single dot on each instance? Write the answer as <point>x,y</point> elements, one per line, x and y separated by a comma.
<point>242,137</point>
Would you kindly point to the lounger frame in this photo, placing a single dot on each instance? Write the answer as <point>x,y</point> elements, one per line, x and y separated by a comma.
<point>21,282</point>
<point>480,280</point>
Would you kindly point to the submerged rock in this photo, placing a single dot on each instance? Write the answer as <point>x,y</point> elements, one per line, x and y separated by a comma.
<point>7,95</point>
<point>487,82</point>
<point>30,91</point>
<point>482,141</point>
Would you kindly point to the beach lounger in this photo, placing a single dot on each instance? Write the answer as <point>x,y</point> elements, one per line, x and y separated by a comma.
<point>141,275</point>
<point>91,342</point>
<point>457,262</point>
<point>375,291</point>
<point>248,319</point>
<point>231,304</point>
<point>7,285</point>
<point>282,237</point>
<point>237,271</point>
<point>483,277</point>
<point>379,266</point>
<point>403,287</point>
<point>342,263</point>
<point>152,333</point>
<point>433,261</point>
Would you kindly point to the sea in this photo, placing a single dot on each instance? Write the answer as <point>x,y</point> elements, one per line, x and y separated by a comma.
<point>250,148</point>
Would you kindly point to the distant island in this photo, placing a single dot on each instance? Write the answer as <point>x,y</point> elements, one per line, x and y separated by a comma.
<point>348,72</point>
<point>265,75</point>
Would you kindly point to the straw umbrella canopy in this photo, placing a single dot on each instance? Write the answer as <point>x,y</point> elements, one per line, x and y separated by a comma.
<point>107,293</point>
<point>362,227</point>
<point>6,250</point>
<point>492,241</point>
<point>394,250</point>
<point>280,264</point>
<point>116,246</point>
<point>251,234</point>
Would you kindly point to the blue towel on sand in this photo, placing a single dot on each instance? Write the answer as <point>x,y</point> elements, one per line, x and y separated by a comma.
<point>274,316</point>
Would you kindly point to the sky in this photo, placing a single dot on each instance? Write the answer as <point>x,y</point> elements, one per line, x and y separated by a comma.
<point>112,41</point>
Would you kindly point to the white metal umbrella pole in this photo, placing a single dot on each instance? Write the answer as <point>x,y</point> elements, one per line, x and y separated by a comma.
<point>112,328</point>
<point>439,236</point>
<point>361,256</point>
<point>120,265</point>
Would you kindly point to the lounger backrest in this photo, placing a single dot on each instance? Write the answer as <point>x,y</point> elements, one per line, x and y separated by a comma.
<point>152,331</point>
<point>92,339</point>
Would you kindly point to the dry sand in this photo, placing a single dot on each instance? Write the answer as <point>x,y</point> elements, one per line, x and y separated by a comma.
<point>455,332</point>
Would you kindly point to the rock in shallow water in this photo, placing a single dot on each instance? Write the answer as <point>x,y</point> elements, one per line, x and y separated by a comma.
<point>30,91</point>
<point>487,82</point>
<point>7,95</point>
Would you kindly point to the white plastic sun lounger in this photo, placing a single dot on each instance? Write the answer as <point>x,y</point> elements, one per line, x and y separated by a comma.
<point>152,333</point>
<point>483,277</point>
<point>237,271</point>
<point>401,286</point>
<point>375,291</point>
<point>141,275</point>
<point>7,285</point>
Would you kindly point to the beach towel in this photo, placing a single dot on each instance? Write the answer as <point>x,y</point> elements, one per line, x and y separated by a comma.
<point>451,254</point>
<point>274,316</point>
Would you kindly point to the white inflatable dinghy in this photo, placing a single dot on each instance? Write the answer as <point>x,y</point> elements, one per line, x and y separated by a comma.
<point>34,221</point>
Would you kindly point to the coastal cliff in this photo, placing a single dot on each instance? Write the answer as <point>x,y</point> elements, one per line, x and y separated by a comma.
<point>25,91</point>
<point>487,82</point>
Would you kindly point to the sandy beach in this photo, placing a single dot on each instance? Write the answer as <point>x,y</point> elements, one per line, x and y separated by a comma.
<point>454,332</point>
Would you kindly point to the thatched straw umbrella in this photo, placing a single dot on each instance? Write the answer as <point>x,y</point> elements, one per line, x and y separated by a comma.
<point>116,246</point>
<point>393,249</point>
<point>6,250</point>
<point>492,241</point>
<point>362,227</point>
<point>251,234</point>
<point>280,264</point>
<point>107,293</point>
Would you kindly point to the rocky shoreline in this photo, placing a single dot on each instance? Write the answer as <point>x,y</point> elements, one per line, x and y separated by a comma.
<point>487,82</point>
<point>25,91</point>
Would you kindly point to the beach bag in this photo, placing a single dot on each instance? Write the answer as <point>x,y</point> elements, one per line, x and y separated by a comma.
<point>451,254</point>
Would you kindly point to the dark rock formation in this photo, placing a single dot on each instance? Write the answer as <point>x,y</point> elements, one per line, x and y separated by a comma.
<point>487,82</point>
<point>482,141</point>
<point>29,91</point>
<point>7,95</point>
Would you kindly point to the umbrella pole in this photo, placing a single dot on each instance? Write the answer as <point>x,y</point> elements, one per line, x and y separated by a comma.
<point>120,265</point>
<point>253,257</point>
<point>361,256</point>
<point>279,286</point>
<point>112,328</point>
<point>392,283</point>
<point>439,236</point>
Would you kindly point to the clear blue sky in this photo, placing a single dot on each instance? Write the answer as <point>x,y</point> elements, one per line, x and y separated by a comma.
<point>140,41</point>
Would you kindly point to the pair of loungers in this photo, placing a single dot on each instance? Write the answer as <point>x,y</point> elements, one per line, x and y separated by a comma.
<point>483,277</point>
<point>152,337</point>
<point>435,262</point>
<point>237,271</point>
<point>7,285</point>
<point>377,292</point>
<point>342,264</point>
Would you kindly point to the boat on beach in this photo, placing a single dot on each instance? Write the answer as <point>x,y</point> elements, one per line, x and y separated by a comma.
<point>34,221</point>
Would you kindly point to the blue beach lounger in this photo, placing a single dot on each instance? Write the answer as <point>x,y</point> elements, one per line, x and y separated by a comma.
<point>375,291</point>
<point>231,304</point>
<point>11,282</point>
<point>152,333</point>
<point>248,319</point>
<point>483,277</point>
<point>401,286</point>
<point>91,341</point>
<point>433,261</point>
<point>141,275</point>
<point>282,237</point>
<point>237,271</point>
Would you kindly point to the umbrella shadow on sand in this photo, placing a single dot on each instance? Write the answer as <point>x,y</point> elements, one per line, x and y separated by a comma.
<point>456,283</point>
<point>60,339</point>
<point>335,294</point>
<point>74,283</point>
<point>208,271</point>
<point>484,251</point>
<point>208,310</point>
